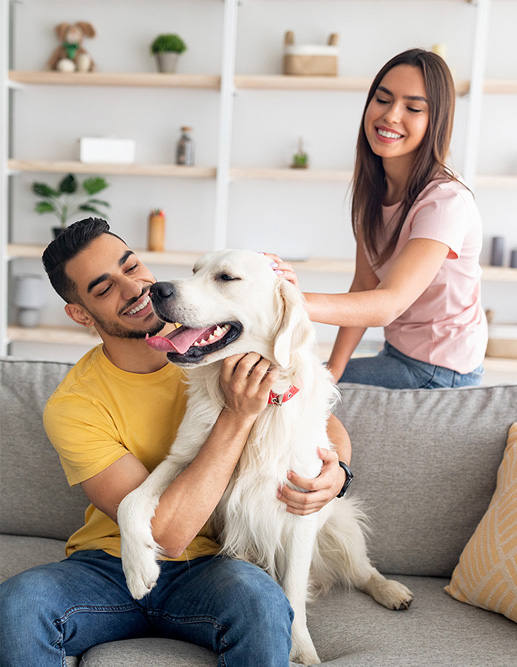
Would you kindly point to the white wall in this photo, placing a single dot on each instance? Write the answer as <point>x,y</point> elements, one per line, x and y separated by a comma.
<point>293,219</point>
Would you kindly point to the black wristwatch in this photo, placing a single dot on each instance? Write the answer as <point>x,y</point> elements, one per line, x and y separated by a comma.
<point>348,479</point>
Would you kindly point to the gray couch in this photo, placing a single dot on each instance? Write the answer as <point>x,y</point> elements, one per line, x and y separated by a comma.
<point>425,464</point>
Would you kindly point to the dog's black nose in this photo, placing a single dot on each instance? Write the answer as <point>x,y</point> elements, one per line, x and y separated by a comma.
<point>162,291</point>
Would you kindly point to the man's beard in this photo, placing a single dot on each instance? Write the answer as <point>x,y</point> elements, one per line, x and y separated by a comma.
<point>117,331</point>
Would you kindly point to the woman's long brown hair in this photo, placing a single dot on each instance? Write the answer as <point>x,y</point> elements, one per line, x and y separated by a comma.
<point>369,184</point>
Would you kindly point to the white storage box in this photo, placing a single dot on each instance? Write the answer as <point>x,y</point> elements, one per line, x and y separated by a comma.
<point>107,150</point>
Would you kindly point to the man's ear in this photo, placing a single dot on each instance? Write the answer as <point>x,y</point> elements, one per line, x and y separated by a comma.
<point>79,315</point>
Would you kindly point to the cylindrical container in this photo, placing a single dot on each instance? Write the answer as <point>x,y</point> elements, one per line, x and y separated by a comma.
<point>185,148</point>
<point>156,231</point>
<point>497,251</point>
<point>513,259</point>
<point>28,299</point>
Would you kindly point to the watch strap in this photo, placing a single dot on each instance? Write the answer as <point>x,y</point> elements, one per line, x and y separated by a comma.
<point>348,479</point>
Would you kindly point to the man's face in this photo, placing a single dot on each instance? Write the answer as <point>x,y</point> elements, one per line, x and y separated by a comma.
<point>113,289</point>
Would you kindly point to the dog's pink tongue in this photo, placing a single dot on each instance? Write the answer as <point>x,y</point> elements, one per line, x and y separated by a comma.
<point>179,340</point>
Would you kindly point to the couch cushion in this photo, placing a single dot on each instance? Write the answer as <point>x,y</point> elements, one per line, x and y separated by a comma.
<point>35,498</point>
<point>486,575</point>
<point>425,464</point>
<point>20,552</point>
<point>352,629</point>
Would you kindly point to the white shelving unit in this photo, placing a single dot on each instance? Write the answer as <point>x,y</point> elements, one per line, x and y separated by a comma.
<point>227,85</point>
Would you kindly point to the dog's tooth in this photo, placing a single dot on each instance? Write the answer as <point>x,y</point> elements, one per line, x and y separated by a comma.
<point>196,344</point>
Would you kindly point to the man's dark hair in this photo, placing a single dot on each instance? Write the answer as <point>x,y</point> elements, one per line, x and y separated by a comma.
<point>67,245</point>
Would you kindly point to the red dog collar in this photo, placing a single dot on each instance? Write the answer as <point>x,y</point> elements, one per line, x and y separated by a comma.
<point>278,399</point>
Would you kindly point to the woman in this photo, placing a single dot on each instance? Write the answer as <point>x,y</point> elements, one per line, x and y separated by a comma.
<point>418,235</point>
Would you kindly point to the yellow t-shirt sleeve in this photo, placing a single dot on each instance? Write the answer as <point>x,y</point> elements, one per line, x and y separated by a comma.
<point>83,435</point>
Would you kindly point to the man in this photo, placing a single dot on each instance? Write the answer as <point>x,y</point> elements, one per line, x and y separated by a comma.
<point>112,420</point>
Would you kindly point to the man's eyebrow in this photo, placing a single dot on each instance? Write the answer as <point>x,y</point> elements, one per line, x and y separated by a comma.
<point>105,276</point>
<point>417,98</point>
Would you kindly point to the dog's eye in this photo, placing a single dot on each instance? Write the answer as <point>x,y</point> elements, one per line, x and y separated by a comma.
<point>226,277</point>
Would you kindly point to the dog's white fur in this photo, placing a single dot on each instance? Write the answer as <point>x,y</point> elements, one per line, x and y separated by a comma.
<point>250,522</point>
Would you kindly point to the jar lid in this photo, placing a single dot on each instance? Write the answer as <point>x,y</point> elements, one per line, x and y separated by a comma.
<point>186,129</point>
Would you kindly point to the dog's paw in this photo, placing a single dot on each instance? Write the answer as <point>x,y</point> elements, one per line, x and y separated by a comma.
<point>303,652</point>
<point>141,571</point>
<point>394,595</point>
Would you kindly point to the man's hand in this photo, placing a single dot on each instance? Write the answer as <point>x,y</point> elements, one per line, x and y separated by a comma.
<point>319,491</point>
<point>246,380</point>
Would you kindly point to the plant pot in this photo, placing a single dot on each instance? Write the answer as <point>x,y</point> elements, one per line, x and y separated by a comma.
<point>166,61</point>
<point>56,231</point>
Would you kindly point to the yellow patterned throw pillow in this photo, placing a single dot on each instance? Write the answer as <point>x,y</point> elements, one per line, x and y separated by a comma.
<point>486,575</point>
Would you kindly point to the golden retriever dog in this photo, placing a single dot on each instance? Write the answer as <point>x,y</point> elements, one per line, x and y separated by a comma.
<point>235,303</point>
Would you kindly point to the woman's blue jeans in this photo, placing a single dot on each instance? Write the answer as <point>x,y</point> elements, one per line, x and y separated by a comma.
<point>394,370</point>
<point>65,608</point>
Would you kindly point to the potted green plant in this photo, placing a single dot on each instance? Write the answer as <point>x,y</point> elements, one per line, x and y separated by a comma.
<point>68,199</point>
<point>300,158</point>
<point>166,49</point>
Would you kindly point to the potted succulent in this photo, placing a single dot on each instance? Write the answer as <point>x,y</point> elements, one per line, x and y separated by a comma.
<point>300,158</point>
<point>166,49</point>
<point>68,199</point>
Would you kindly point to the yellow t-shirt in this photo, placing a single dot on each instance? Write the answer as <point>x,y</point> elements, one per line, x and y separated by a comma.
<point>98,414</point>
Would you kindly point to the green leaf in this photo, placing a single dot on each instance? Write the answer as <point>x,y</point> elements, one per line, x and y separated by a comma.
<point>99,202</point>
<point>91,209</point>
<point>43,190</point>
<point>44,207</point>
<point>68,185</point>
<point>94,185</point>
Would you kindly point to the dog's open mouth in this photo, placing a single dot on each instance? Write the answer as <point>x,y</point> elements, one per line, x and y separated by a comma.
<point>191,345</point>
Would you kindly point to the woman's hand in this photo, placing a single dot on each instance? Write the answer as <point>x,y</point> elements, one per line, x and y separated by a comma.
<point>283,269</point>
<point>318,491</point>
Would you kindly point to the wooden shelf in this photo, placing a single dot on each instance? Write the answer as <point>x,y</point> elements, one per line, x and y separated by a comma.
<point>213,82</point>
<point>64,166</point>
<point>57,335</point>
<point>127,79</point>
<point>330,83</point>
<point>313,265</point>
<point>235,173</point>
<point>286,174</point>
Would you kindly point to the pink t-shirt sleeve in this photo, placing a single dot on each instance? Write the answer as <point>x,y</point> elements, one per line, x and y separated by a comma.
<point>441,216</point>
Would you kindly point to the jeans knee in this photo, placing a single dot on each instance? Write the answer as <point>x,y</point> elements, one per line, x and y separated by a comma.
<point>22,596</point>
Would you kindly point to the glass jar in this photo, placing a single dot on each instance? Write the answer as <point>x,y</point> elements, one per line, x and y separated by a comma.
<point>185,148</point>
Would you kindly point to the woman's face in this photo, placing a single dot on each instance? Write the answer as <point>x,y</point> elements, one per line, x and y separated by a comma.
<point>397,117</point>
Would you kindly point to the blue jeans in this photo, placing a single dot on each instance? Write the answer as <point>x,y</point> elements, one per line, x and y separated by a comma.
<point>394,370</point>
<point>65,608</point>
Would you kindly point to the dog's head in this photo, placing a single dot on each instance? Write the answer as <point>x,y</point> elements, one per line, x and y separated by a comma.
<point>233,303</point>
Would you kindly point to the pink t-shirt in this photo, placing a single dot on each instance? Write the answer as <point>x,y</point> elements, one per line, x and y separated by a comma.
<point>446,325</point>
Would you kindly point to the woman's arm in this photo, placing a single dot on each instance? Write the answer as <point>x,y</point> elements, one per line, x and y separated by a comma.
<point>411,273</point>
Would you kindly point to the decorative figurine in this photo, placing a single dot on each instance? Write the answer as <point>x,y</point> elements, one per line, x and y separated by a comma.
<point>70,56</point>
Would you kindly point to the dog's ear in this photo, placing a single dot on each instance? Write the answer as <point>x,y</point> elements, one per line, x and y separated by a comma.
<point>294,327</point>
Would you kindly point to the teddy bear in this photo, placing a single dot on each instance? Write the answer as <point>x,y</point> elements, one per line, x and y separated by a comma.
<point>70,56</point>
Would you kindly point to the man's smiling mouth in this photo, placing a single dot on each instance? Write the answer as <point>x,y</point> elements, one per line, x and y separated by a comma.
<point>141,306</point>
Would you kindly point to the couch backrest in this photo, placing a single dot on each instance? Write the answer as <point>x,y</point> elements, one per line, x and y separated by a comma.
<point>35,498</point>
<point>425,464</point>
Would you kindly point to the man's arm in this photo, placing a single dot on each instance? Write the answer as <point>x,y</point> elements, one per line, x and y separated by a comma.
<point>190,499</point>
<point>325,487</point>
